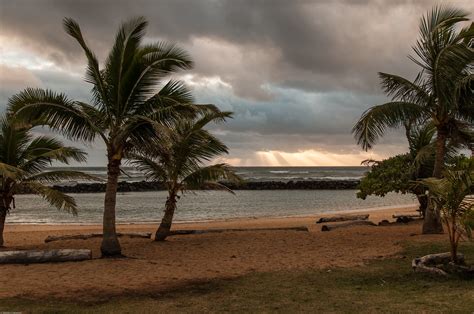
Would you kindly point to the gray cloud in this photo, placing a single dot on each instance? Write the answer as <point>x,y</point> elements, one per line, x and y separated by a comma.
<point>309,44</point>
<point>297,74</point>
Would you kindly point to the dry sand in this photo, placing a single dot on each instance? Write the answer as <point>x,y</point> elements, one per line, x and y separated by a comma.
<point>153,267</point>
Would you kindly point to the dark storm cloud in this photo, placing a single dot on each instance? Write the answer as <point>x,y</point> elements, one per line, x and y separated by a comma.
<point>297,74</point>
<point>310,44</point>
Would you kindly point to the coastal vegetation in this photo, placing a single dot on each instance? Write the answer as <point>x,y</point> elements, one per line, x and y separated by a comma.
<point>397,173</point>
<point>24,162</point>
<point>450,195</point>
<point>441,93</point>
<point>131,102</point>
<point>179,160</point>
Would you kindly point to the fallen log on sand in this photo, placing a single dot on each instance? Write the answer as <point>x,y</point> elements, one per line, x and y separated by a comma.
<point>342,218</point>
<point>406,215</point>
<point>399,221</point>
<point>45,256</point>
<point>347,224</point>
<point>194,231</point>
<point>146,235</point>
<point>428,263</point>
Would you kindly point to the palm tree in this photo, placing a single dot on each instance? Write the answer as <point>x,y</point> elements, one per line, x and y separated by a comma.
<point>129,103</point>
<point>451,196</point>
<point>441,93</point>
<point>178,162</point>
<point>23,160</point>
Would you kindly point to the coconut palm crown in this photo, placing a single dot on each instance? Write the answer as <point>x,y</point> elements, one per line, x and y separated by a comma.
<point>179,161</point>
<point>130,101</point>
<point>442,93</point>
<point>23,162</point>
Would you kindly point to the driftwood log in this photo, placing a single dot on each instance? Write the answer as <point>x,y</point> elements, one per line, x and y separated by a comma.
<point>44,256</point>
<point>347,224</point>
<point>400,220</point>
<point>146,235</point>
<point>429,263</point>
<point>342,218</point>
<point>406,215</point>
<point>194,231</point>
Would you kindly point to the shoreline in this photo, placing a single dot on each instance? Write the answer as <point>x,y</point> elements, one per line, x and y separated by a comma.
<point>317,215</point>
<point>376,214</point>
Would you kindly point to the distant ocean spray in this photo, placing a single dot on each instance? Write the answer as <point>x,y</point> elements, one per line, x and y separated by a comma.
<point>257,173</point>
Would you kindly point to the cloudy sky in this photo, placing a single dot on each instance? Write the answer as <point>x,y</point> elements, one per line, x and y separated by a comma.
<point>297,74</point>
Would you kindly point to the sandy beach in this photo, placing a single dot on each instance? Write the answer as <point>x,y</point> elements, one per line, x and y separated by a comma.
<point>154,267</point>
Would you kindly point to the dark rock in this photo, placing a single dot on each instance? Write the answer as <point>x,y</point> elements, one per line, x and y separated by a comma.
<point>143,186</point>
<point>384,222</point>
<point>404,219</point>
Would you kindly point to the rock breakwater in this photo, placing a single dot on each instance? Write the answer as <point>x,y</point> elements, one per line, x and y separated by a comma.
<point>144,186</point>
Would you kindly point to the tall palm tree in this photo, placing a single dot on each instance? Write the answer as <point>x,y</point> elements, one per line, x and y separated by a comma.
<point>178,162</point>
<point>23,160</point>
<point>442,92</point>
<point>130,102</point>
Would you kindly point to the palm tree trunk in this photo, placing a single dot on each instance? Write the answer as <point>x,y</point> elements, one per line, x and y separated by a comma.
<point>441,137</point>
<point>432,223</point>
<point>423,201</point>
<point>110,244</point>
<point>3,216</point>
<point>165,225</point>
<point>452,240</point>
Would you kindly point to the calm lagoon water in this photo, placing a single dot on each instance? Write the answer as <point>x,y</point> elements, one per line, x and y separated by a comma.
<point>136,207</point>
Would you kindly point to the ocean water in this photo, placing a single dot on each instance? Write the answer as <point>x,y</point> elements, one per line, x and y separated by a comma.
<point>137,207</point>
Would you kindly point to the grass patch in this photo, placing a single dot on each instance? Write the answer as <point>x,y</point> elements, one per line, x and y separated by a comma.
<point>382,286</point>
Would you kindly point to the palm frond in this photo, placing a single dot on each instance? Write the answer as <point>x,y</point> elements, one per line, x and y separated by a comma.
<point>436,31</point>
<point>421,136</point>
<point>152,169</point>
<point>377,119</point>
<point>93,73</point>
<point>60,175</point>
<point>54,110</point>
<point>207,176</point>
<point>465,95</point>
<point>172,96</point>
<point>120,60</point>
<point>142,131</point>
<point>424,154</point>
<point>194,147</point>
<point>441,17</point>
<point>56,198</point>
<point>449,65</point>
<point>208,117</point>
<point>13,140</point>
<point>402,89</point>
<point>11,172</point>
<point>43,150</point>
<point>152,63</point>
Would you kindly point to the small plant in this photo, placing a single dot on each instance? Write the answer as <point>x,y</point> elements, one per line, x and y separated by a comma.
<point>453,197</point>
